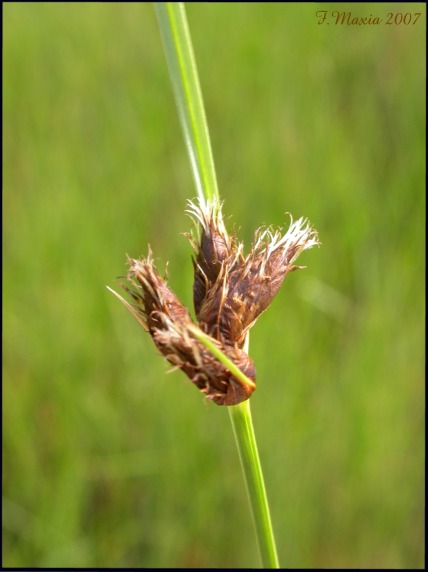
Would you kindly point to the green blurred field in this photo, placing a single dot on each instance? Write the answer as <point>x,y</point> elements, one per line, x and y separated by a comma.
<point>107,461</point>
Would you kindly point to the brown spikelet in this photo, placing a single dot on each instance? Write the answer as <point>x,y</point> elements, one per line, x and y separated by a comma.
<point>243,288</point>
<point>167,320</point>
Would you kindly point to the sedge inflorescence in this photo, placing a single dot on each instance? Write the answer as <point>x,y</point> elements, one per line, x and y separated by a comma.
<point>230,291</point>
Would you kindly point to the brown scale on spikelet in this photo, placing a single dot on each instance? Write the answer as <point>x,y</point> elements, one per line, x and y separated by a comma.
<point>230,292</point>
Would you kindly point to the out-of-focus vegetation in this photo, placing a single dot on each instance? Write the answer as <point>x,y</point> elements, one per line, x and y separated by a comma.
<point>107,461</point>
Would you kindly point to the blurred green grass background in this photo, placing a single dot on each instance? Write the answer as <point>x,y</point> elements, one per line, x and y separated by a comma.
<point>107,461</point>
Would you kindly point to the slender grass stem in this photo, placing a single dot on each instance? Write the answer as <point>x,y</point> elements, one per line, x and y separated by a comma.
<point>242,423</point>
<point>188,96</point>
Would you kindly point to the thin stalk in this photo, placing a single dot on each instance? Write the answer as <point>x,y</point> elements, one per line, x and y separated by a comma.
<point>188,96</point>
<point>243,430</point>
<point>242,423</point>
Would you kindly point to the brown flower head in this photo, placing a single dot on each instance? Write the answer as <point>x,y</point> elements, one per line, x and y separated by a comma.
<point>230,292</point>
<point>168,322</point>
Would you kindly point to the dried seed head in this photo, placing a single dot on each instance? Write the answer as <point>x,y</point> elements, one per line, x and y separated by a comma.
<point>230,292</point>
<point>253,284</point>
<point>241,288</point>
<point>162,314</point>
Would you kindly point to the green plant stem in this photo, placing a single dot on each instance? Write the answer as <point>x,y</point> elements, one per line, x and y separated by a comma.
<point>242,423</point>
<point>188,96</point>
<point>243,430</point>
<point>184,77</point>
